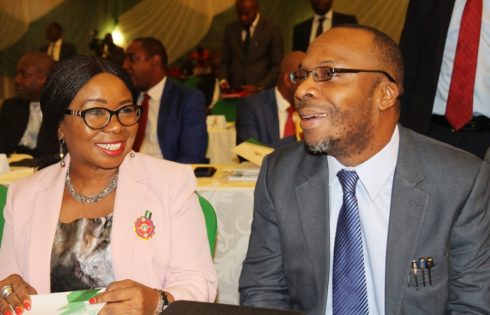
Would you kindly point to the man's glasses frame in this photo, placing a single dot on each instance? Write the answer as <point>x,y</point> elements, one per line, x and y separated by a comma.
<point>326,73</point>
<point>83,113</point>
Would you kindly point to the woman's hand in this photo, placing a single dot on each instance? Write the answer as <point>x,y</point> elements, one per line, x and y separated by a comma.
<point>14,294</point>
<point>128,297</point>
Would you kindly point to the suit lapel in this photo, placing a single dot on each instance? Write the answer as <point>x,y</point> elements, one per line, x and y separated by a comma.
<point>236,39</point>
<point>164,112</point>
<point>271,114</point>
<point>313,202</point>
<point>408,206</point>
<point>50,192</point>
<point>128,207</point>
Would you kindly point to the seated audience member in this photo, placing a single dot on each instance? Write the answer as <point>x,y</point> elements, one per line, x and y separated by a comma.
<point>268,116</point>
<point>366,216</point>
<point>21,116</point>
<point>208,83</point>
<point>252,50</point>
<point>323,19</point>
<point>96,214</point>
<point>57,48</point>
<point>175,122</point>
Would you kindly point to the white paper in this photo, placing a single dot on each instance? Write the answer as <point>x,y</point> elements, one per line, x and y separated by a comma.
<point>57,304</point>
<point>4,164</point>
<point>255,153</point>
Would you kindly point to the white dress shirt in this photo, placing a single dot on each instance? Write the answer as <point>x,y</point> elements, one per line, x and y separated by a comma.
<point>54,49</point>
<point>282,111</point>
<point>327,24</point>
<point>252,28</point>
<point>150,144</point>
<point>482,80</point>
<point>29,139</point>
<point>373,192</point>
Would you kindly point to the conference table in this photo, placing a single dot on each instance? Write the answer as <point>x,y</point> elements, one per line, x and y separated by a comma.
<point>230,191</point>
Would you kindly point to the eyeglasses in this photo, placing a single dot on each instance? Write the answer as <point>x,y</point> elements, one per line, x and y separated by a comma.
<point>327,73</point>
<point>133,58</point>
<point>99,117</point>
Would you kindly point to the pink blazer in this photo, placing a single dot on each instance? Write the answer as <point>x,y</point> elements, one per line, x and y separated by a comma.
<point>176,258</point>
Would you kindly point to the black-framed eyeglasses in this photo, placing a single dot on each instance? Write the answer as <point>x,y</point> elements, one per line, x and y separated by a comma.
<point>99,117</point>
<point>326,73</point>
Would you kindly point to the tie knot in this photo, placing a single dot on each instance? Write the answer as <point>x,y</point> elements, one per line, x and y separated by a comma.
<point>321,19</point>
<point>348,180</point>
<point>146,97</point>
<point>291,110</point>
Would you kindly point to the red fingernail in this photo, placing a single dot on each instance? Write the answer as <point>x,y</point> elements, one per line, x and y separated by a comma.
<point>18,310</point>
<point>7,313</point>
<point>27,305</point>
<point>92,301</point>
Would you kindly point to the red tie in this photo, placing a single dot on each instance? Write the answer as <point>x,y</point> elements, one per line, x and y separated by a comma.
<point>289,129</point>
<point>459,108</point>
<point>142,123</point>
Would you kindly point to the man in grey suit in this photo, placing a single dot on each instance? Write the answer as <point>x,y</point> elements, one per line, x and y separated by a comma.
<point>263,116</point>
<point>252,51</point>
<point>417,200</point>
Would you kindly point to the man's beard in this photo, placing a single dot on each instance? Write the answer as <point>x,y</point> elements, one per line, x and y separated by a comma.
<point>324,147</point>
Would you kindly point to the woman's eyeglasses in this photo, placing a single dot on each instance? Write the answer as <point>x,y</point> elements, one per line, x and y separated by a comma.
<point>99,117</point>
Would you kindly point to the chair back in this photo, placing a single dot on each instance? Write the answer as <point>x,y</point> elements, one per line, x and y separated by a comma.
<point>3,197</point>
<point>211,221</point>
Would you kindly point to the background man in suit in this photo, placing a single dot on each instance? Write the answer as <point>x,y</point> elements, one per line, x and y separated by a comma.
<point>429,44</point>
<point>407,197</point>
<point>20,117</point>
<point>57,48</point>
<point>175,127</point>
<point>323,19</point>
<point>252,50</point>
<point>263,116</point>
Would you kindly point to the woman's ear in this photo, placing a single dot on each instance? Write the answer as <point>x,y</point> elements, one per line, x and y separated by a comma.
<point>61,135</point>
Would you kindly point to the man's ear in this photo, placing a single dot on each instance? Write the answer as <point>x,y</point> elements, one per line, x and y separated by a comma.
<point>389,95</point>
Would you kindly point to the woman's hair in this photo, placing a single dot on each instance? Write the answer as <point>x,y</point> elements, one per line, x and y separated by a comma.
<point>64,82</point>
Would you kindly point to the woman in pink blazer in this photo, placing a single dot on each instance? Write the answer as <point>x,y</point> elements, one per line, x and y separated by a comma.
<point>97,214</point>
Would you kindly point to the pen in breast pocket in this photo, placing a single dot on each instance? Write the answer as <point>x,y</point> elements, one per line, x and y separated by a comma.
<point>414,271</point>
<point>430,264</point>
<point>422,266</point>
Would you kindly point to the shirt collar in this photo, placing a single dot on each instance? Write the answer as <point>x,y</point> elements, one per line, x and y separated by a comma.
<point>282,103</point>
<point>374,172</point>
<point>256,21</point>
<point>156,91</point>
<point>327,16</point>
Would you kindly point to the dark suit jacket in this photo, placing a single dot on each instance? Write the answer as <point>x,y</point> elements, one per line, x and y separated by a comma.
<point>439,208</point>
<point>422,43</point>
<point>67,50</point>
<point>259,65</point>
<point>302,31</point>
<point>182,131</point>
<point>14,116</point>
<point>257,118</point>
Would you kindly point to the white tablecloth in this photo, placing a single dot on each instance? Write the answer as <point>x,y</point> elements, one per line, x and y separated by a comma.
<point>233,203</point>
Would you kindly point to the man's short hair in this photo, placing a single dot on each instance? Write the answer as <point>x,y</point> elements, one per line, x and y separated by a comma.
<point>152,47</point>
<point>387,52</point>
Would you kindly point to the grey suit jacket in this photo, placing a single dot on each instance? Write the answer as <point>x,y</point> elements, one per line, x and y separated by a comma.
<point>259,65</point>
<point>257,118</point>
<point>439,208</point>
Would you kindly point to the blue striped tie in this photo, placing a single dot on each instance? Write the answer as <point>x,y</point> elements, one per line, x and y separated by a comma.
<point>349,280</point>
